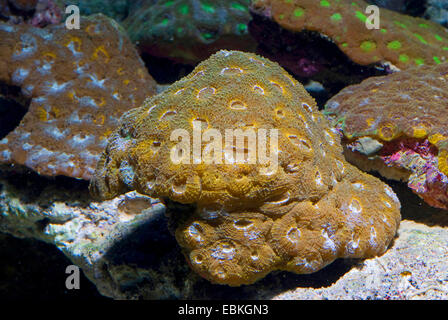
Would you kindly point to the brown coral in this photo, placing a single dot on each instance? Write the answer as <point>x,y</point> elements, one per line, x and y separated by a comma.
<point>35,12</point>
<point>401,41</point>
<point>79,82</point>
<point>403,118</point>
<point>249,219</point>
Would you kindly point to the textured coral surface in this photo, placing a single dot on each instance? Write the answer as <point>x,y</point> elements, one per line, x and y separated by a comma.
<point>402,41</point>
<point>190,30</point>
<point>246,220</point>
<point>406,113</point>
<point>79,83</point>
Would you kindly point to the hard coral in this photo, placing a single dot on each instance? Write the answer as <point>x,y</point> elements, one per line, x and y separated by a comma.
<point>401,42</point>
<point>238,221</point>
<point>309,56</point>
<point>189,31</point>
<point>399,123</point>
<point>79,82</point>
<point>115,9</point>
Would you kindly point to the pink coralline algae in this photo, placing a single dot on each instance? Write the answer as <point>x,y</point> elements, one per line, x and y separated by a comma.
<point>409,155</point>
<point>420,158</point>
<point>397,125</point>
<point>78,82</point>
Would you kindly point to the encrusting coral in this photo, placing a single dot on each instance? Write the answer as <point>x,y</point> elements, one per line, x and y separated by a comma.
<point>401,41</point>
<point>238,220</point>
<point>397,125</point>
<point>79,83</point>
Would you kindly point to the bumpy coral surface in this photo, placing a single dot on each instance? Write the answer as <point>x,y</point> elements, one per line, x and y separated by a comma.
<point>401,41</point>
<point>248,219</point>
<point>400,122</point>
<point>189,31</point>
<point>79,81</point>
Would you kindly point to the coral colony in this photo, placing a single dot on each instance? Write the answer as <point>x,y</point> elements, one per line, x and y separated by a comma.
<point>189,31</point>
<point>186,31</point>
<point>253,176</point>
<point>247,221</point>
<point>400,43</point>
<point>80,82</point>
<point>402,116</point>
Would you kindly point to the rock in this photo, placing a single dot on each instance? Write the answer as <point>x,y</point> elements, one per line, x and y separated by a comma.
<point>413,268</point>
<point>23,278</point>
<point>77,84</point>
<point>123,246</point>
<point>85,231</point>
